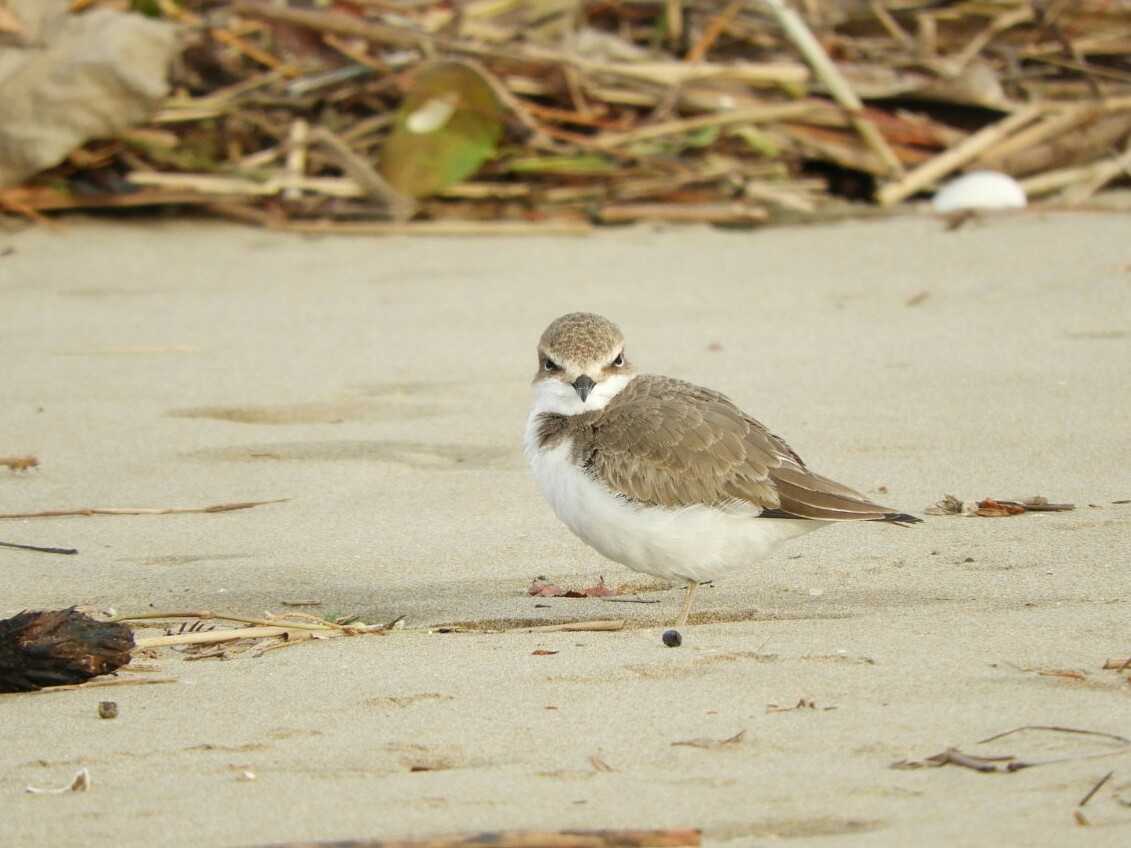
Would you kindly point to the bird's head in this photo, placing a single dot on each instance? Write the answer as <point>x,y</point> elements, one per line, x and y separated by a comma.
<point>581,364</point>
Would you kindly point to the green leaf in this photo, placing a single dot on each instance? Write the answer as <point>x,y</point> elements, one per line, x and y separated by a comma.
<point>450,123</point>
<point>582,165</point>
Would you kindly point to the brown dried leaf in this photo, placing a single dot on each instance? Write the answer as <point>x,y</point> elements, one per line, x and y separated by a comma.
<point>989,508</point>
<point>542,652</point>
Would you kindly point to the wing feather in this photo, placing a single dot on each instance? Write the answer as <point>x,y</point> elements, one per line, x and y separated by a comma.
<point>668,443</point>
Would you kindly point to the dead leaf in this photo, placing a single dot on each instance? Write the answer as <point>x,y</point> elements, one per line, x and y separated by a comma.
<point>712,744</point>
<point>989,508</point>
<point>542,652</point>
<point>995,507</point>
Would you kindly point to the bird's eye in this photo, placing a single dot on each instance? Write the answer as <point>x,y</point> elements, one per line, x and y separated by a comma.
<point>549,365</point>
<point>619,361</point>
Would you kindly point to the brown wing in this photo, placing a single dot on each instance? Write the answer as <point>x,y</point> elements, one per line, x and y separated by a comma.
<point>669,443</point>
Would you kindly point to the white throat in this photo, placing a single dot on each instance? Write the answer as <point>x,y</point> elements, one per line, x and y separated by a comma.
<point>560,398</point>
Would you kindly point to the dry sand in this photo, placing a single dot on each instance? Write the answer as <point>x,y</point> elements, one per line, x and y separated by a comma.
<point>381,385</point>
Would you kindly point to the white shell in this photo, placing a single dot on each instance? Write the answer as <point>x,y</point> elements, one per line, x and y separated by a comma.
<point>980,190</point>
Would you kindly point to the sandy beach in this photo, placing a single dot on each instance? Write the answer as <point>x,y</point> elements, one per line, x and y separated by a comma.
<point>380,386</point>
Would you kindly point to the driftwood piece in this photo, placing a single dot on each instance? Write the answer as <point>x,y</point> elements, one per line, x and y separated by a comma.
<point>59,647</point>
<point>668,838</point>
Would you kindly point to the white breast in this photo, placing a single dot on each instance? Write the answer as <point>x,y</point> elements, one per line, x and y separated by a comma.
<point>687,544</point>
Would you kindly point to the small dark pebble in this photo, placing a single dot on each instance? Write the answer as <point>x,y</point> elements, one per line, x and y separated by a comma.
<point>107,709</point>
<point>672,638</point>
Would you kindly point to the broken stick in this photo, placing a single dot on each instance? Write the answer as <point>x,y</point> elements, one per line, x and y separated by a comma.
<point>172,510</point>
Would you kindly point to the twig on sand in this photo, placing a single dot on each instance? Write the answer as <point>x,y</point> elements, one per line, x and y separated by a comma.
<point>667,838</point>
<point>172,510</point>
<point>576,626</point>
<point>1009,762</point>
<point>1053,728</point>
<point>308,622</point>
<point>39,548</point>
<point>291,629</point>
<point>97,684</point>
<point>288,630</point>
<point>1099,785</point>
<point>211,636</point>
<point>600,625</point>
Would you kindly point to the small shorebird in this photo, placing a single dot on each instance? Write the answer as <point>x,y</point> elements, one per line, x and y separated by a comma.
<point>663,476</point>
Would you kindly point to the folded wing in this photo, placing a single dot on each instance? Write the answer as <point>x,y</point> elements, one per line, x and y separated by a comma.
<point>668,443</point>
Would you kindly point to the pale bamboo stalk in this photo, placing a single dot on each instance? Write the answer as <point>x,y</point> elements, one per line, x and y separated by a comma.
<point>831,76</point>
<point>577,626</point>
<point>1098,175</point>
<point>999,24</point>
<point>1051,125</point>
<point>212,637</point>
<point>675,20</point>
<point>682,73</point>
<point>1051,181</point>
<point>889,23</point>
<point>296,157</point>
<point>954,158</point>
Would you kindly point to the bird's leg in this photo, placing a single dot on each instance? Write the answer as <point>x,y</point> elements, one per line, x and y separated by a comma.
<point>683,613</point>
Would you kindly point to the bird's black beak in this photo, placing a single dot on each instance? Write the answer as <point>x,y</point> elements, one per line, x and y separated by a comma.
<point>583,386</point>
